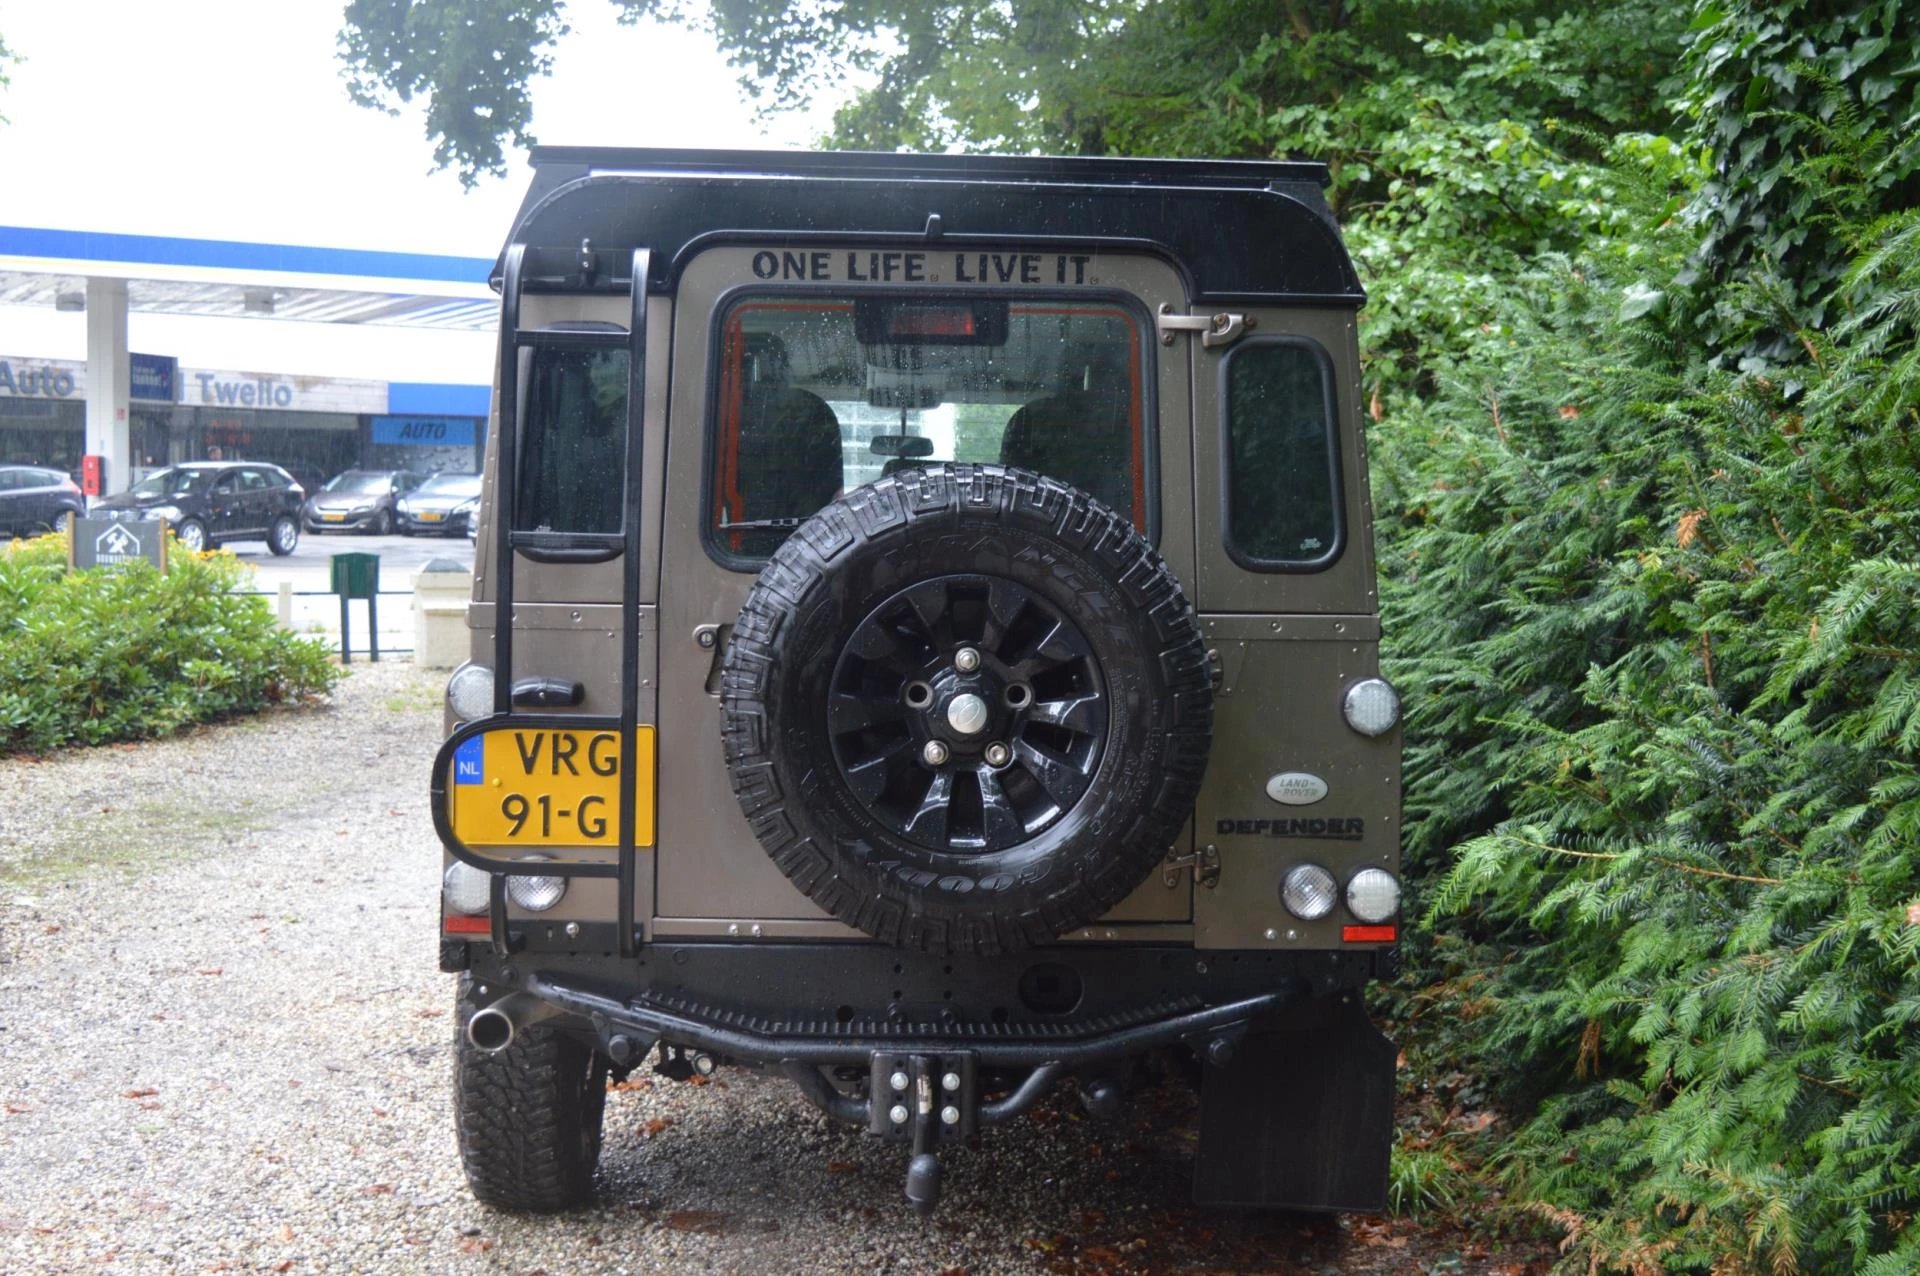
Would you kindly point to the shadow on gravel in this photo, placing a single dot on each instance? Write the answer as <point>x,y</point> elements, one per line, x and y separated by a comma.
<point>741,1167</point>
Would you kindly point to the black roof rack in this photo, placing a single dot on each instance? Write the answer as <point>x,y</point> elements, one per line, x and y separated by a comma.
<point>1242,231</point>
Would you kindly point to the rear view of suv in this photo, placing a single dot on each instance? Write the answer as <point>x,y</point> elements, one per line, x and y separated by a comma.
<point>925,645</point>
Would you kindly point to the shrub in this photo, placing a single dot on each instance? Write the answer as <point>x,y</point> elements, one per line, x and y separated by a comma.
<point>1660,623</point>
<point>88,657</point>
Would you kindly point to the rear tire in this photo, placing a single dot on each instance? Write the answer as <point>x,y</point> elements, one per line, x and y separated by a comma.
<point>283,537</point>
<point>528,1118</point>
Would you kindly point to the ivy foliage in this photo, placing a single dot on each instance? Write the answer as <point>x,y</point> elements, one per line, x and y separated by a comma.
<point>92,656</point>
<point>1809,113</point>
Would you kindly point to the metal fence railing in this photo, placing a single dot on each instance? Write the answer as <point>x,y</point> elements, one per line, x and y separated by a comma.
<point>368,629</point>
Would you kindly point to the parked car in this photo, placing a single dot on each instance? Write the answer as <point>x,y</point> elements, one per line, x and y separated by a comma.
<point>443,505</point>
<point>212,502</point>
<point>34,499</point>
<point>358,501</point>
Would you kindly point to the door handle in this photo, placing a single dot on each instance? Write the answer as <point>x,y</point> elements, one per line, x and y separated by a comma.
<point>713,638</point>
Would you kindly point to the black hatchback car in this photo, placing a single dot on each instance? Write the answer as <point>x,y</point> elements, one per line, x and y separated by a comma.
<point>36,499</point>
<point>212,502</point>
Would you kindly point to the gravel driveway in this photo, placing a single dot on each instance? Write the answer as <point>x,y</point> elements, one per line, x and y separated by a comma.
<point>224,1045</point>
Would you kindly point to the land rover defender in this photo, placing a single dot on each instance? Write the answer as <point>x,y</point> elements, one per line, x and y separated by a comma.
<point>924,645</point>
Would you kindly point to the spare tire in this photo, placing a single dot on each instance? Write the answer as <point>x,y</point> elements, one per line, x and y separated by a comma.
<point>966,708</point>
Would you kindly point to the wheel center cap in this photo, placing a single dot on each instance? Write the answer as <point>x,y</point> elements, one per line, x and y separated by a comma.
<point>967,713</point>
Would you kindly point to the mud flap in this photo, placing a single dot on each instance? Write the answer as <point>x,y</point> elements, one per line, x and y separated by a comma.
<point>1301,1115</point>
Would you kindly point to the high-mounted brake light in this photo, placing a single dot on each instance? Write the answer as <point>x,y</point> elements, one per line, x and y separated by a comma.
<point>907,322</point>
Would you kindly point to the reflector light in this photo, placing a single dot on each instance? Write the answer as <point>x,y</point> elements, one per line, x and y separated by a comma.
<point>1369,934</point>
<point>1308,892</point>
<point>465,888</point>
<point>536,894</point>
<point>1371,706</point>
<point>931,321</point>
<point>470,692</point>
<point>455,924</point>
<point>1373,895</point>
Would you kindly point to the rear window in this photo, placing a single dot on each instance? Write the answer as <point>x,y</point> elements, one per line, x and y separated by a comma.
<point>815,396</point>
<point>1282,469</point>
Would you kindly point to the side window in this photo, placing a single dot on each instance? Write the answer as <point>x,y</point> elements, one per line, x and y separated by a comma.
<point>226,483</point>
<point>1282,467</point>
<point>572,467</point>
<point>253,480</point>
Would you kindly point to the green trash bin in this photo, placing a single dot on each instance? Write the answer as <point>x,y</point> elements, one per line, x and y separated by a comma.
<point>358,576</point>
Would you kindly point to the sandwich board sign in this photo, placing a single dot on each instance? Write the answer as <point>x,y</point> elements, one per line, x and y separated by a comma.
<point>113,542</point>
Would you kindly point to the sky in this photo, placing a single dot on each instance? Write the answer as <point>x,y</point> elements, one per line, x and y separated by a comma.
<point>229,119</point>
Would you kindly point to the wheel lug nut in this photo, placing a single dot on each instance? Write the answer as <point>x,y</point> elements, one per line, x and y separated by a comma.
<point>998,754</point>
<point>935,753</point>
<point>966,660</point>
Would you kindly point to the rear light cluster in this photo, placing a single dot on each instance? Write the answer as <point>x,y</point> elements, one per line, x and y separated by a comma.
<point>467,891</point>
<point>1372,897</point>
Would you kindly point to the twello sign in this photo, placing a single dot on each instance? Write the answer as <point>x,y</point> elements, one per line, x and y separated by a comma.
<point>260,392</point>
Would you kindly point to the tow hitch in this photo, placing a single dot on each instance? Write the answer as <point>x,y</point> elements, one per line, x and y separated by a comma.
<point>925,1100</point>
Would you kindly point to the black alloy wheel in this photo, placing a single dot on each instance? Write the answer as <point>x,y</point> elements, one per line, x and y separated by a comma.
<point>969,712</point>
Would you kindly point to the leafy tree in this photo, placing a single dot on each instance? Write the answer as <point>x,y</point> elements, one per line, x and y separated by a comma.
<point>6,56</point>
<point>470,60</point>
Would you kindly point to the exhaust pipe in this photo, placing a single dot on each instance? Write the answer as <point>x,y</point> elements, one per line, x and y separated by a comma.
<point>493,1028</point>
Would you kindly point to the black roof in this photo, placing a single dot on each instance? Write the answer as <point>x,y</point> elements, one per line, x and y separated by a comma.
<point>1239,230</point>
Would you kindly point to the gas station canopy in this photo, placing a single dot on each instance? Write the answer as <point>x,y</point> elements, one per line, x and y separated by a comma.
<point>231,279</point>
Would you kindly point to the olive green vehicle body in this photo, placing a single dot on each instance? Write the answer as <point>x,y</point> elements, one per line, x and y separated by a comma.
<point>1284,647</point>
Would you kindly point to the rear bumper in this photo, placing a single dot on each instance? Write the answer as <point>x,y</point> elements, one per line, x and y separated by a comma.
<point>838,1003</point>
<point>452,525</point>
<point>350,523</point>
<point>644,1025</point>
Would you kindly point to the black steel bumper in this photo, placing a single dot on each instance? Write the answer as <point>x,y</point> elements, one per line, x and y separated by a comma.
<point>644,1025</point>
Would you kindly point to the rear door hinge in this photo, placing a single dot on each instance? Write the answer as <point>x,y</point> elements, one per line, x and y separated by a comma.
<point>1215,330</point>
<point>1204,862</point>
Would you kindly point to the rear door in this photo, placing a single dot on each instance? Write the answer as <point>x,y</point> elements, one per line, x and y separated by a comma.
<point>1287,595</point>
<point>910,357</point>
<point>226,515</point>
<point>13,502</point>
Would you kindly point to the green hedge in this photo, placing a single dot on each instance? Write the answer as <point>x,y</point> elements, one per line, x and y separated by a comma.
<point>1659,627</point>
<point>88,657</point>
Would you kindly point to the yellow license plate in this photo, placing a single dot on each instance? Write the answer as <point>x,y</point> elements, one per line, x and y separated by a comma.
<point>431,516</point>
<point>333,518</point>
<point>518,787</point>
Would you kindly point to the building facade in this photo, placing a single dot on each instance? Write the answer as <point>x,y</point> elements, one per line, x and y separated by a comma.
<point>313,427</point>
